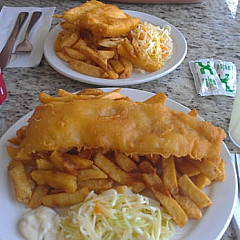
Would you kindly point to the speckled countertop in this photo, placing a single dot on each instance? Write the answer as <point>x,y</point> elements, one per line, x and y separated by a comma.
<point>211,28</point>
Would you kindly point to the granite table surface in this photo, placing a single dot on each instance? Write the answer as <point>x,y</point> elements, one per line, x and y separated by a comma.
<point>211,28</point>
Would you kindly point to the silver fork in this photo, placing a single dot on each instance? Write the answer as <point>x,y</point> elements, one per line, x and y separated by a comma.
<point>25,46</point>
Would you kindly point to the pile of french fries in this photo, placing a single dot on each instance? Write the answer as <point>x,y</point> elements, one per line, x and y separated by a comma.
<point>60,178</point>
<point>101,57</point>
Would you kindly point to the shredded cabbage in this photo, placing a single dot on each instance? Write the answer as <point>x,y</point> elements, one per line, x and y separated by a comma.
<point>113,215</point>
<point>157,41</point>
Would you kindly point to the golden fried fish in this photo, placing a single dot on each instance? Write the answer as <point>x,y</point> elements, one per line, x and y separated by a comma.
<point>129,127</point>
<point>103,19</point>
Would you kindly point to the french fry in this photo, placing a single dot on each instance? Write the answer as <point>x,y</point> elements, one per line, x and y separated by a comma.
<point>86,68</point>
<point>124,162</point>
<point>92,54</point>
<point>137,187</point>
<point>221,167</point>
<point>193,192</point>
<point>55,179</point>
<point>161,193</point>
<point>193,112</point>
<point>112,95</point>
<point>74,53</point>
<point>129,47</point>
<point>108,54</point>
<point>64,56</point>
<point>38,193</point>
<point>63,164</point>
<point>110,42</point>
<point>201,180</point>
<point>146,167</point>
<point>208,169</point>
<point>169,176</point>
<point>78,162</point>
<point>117,66</point>
<point>186,167</point>
<point>20,180</point>
<point>153,158</point>
<point>98,185</point>
<point>157,98</point>
<point>91,173</point>
<point>128,67</point>
<point>91,91</point>
<point>63,199</point>
<point>112,170</point>
<point>190,208</point>
<point>69,26</point>
<point>69,40</point>
<point>44,164</point>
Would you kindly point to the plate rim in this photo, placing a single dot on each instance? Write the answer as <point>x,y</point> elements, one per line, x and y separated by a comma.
<point>22,207</point>
<point>58,64</point>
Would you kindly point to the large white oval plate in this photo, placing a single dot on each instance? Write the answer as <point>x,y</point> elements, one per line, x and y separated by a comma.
<point>211,227</point>
<point>179,53</point>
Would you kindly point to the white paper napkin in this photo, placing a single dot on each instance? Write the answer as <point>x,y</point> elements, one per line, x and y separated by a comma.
<point>8,16</point>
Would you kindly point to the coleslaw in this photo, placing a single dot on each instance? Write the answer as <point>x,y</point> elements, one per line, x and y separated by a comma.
<point>157,41</point>
<point>113,215</point>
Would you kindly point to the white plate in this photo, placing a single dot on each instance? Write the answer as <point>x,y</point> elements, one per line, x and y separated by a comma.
<point>212,225</point>
<point>179,53</point>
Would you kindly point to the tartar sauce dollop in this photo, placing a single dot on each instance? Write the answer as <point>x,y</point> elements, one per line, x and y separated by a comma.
<point>41,223</point>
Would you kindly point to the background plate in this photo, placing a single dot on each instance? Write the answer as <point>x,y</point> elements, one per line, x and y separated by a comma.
<point>211,227</point>
<point>179,53</point>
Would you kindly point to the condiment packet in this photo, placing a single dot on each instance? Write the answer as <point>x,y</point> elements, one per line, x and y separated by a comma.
<point>214,77</point>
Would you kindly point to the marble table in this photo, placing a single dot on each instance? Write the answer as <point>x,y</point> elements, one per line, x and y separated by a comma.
<point>211,28</point>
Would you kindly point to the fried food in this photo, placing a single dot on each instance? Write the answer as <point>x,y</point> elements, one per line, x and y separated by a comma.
<point>131,128</point>
<point>103,19</point>
<point>95,140</point>
<point>97,40</point>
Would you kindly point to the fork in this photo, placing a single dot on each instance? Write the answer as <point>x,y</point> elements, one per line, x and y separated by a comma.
<point>25,46</point>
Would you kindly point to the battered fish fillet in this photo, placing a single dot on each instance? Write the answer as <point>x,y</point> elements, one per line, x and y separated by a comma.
<point>132,128</point>
<point>103,19</point>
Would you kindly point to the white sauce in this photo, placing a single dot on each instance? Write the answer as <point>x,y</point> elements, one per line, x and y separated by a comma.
<point>39,224</point>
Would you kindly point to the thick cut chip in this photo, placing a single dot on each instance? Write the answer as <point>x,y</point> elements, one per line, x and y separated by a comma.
<point>208,168</point>
<point>163,196</point>
<point>169,176</point>
<point>193,192</point>
<point>98,185</point>
<point>55,179</point>
<point>20,180</point>
<point>191,209</point>
<point>63,199</point>
<point>36,199</point>
<point>186,167</point>
<point>87,68</point>
<point>112,170</point>
<point>201,180</point>
<point>124,162</point>
<point>91,173</point>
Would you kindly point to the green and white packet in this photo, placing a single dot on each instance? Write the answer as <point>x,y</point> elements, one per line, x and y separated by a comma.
<point>227,73</point>
<point>214,77</point>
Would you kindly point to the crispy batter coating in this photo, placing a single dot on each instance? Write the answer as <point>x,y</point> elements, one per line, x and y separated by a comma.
<point>132,128</point>
<point>104,19</point>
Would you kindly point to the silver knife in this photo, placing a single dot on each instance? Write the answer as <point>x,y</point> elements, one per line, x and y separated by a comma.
<point>6,52</point>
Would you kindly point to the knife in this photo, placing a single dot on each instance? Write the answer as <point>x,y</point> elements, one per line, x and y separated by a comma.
<point>6,52</point>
